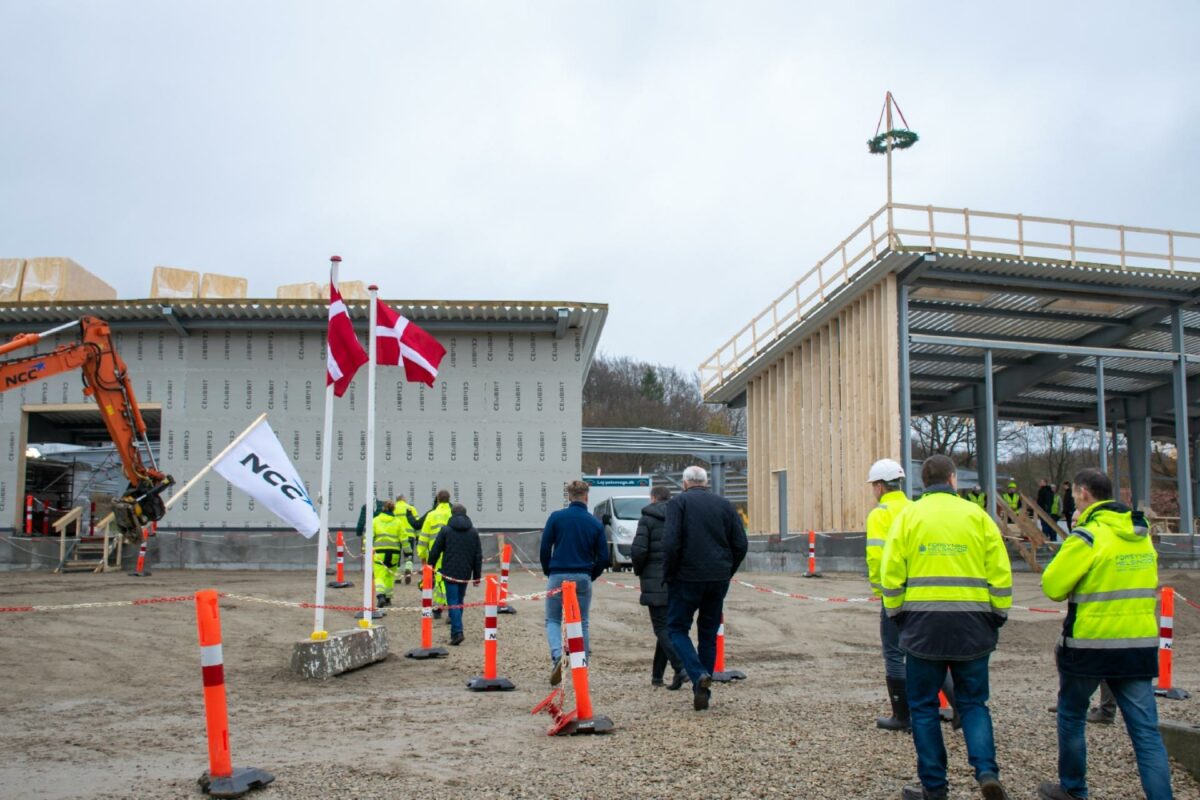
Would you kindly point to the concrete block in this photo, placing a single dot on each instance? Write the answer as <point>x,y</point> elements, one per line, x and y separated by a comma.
<point>341,652</point>
<point>1183,744</point>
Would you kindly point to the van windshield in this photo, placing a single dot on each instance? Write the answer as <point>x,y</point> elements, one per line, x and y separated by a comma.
<point>629,507</point>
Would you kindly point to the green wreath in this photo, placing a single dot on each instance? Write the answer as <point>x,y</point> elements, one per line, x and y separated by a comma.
<point>902,139</point>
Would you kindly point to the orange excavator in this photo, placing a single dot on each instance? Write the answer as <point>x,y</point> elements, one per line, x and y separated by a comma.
<point>106,380</point>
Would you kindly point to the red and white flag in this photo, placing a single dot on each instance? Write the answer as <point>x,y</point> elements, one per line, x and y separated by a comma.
<point>400,341</point>
<point>345,353</point>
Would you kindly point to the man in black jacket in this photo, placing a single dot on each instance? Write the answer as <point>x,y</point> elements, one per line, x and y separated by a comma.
<point>458,546</point>
<point>703,546</point>
<point>647,554</point>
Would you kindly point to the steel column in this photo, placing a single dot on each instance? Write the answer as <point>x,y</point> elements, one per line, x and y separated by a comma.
<point>1116,460</point>
<point>1183,472</point>
<point>905,390</point>
<point>989,410</point>
<point>1137,432</point>
<point>1101,423</point>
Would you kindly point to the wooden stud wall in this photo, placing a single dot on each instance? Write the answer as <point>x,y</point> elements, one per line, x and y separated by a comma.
<point>825,411</point>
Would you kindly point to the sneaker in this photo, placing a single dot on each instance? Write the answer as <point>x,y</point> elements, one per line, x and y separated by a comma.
<point>556,672</point>
<point>1053,791</point>
<point>700,699</point>
<point>1098,716</point>
<point>991,788</point>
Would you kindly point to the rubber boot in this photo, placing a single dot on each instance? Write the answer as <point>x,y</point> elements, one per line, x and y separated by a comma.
<point>899,720</point>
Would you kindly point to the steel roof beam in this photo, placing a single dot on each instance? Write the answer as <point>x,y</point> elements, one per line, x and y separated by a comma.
<point>169,315</point>
<point>1020,284</point>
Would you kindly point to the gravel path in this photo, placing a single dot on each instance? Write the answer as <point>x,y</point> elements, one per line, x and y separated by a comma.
<point>106,702</point>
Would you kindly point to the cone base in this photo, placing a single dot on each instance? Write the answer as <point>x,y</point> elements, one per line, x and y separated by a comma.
<point>729,675</point>
<point>1173,694</point>
<point>813,575</point>
<point>243,780</point>
<point>143,574</point>
<point>946,714</point>
<point>490,685</point>
<point>376,614</point>
<point>506,610</point>
<point>596,725</point>
<point>427,652</point>
<point>340,584</point>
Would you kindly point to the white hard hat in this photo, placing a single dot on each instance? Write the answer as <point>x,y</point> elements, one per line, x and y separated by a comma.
<point>885,469</point>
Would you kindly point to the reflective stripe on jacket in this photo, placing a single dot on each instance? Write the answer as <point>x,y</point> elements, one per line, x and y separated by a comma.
<point>879,521</point>
<point>1107,570</point>
<point>386,531</point>
<point>947,581</point>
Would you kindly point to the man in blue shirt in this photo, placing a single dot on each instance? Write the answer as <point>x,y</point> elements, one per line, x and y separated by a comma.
<point>574,548</point>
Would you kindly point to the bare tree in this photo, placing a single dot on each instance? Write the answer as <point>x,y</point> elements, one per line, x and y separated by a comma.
<point>951,436</point>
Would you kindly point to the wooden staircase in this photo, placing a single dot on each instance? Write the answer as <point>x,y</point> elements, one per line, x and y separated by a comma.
<point>86,553</point>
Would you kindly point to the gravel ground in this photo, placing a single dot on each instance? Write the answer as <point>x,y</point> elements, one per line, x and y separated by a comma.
<point>106,702</point>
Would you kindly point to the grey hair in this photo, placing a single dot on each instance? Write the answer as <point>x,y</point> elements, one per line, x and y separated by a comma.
<point>695,475</point>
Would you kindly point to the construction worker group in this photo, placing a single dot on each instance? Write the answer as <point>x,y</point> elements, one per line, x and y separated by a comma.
<point>941,569</point>
<point>399,537</point>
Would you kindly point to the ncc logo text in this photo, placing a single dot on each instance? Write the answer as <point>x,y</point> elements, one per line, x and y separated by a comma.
<point>28,376</point>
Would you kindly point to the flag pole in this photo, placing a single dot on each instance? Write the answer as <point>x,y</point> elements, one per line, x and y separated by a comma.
<point>319,633</point>
<point>369,537</point>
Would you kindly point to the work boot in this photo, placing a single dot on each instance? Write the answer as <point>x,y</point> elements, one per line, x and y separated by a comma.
<point>991,788</point>
<point>457,638</point>
<point>899,720</point>
<point>408,576</point>
<point>677,681</point>
<point>1053,791</point>
<point>1098,715</point>
<point>915,791</point>
<point>700,698</point>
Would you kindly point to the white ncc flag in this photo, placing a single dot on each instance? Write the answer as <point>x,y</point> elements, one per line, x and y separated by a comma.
<point>258,466</point>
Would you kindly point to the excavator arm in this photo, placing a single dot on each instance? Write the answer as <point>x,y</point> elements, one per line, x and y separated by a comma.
<point>106,380</point>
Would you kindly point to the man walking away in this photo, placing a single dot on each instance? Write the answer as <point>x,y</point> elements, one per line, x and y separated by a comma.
<point>1107,570</point>
<point>1045,501</point>
<point>886,479</point>
<point>574,548</point>
<point>458,550</point>
<point>947,584</point>
<point>647,554</point>
<point>703,546</point>
<point>385,530</point>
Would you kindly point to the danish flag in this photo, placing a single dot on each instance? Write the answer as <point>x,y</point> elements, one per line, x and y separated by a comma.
<point>399,341</point>
<point>345,353</point>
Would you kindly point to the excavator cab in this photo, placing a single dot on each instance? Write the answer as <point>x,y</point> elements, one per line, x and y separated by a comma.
<point>106,380</point>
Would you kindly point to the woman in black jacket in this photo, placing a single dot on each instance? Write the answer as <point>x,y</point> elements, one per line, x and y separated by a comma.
<point>648,557</point>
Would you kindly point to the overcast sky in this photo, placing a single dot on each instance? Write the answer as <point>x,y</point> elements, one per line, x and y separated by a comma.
<point>683,162</point>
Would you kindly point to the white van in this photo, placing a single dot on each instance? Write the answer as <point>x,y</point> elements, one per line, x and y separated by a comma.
<point>620,516</point>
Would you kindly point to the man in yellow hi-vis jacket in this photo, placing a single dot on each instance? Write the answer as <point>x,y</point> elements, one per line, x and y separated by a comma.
<point>1107,570</point>
<point>886,478</point>
<point>947,584</point>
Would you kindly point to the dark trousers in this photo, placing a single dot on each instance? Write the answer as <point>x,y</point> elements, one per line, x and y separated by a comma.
<point>703,601</point>
<point>663,650</point>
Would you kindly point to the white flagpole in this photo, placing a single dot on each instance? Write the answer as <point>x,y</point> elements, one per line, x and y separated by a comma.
<point>319,633</point>
<point>369,538</point>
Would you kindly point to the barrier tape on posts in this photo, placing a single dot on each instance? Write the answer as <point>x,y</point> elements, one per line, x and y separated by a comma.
<point>221,779</point>
<point>427,650</point>
<point>1166,641</point>
<point>489,682</point>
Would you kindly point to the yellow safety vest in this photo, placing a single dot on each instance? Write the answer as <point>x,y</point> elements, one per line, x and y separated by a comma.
<point>979,499</point>
<point>386,531</point>
<point>435,520</point>
<point>878,523</point>
<point>407,534</point>
<point>1107,570</point>
<point>1013,499</point>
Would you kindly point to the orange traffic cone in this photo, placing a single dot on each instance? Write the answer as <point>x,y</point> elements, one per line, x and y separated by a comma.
<point>427,650</point>
<point>585,720</point>
<point>489,682</point>
<point>221,780</point>
<point>505,560</point>
<point>141,571</point>
<point>341,582</point>
<point>1166,646</point>
<point>720,675</point>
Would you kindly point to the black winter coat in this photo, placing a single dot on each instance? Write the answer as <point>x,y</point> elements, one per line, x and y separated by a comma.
<point>459,547</point>
<point>648,554</point>
<point>704,539</point>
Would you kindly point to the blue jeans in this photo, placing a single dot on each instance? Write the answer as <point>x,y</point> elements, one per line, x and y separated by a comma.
<point>1135,697</point>
<point>893,656</point>
<point>554,606</point>
<point>684,600</point>
<point>925,678</point>
<point>456,595</point>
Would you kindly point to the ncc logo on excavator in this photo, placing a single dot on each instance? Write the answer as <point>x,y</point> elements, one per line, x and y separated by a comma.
<point>28,376</point>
